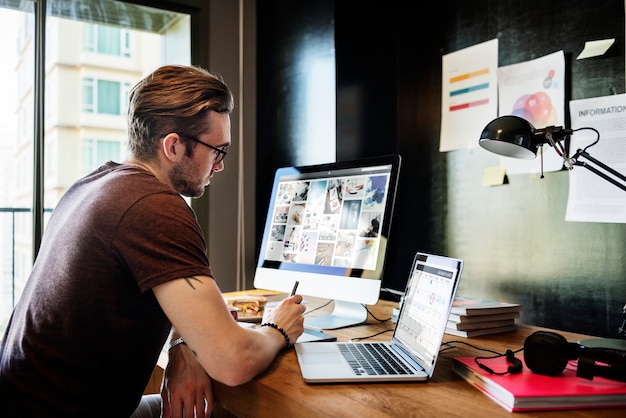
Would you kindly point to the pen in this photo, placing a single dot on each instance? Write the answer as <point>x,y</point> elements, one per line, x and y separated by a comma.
<point>295,286</point>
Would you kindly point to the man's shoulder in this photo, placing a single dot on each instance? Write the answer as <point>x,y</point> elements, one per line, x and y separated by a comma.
<point>129,179</point>
<point>117,188</point>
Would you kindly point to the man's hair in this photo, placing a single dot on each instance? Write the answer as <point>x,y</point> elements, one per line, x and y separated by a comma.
<point>173,98</point>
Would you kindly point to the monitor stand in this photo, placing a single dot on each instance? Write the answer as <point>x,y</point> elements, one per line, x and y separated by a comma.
<point>344,314</point>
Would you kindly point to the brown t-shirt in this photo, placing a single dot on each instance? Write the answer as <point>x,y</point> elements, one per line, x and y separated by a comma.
<point>87,331</point>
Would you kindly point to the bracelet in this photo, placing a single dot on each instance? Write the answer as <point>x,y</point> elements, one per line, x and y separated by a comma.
<point>282,331</point>
<point>176,342</point>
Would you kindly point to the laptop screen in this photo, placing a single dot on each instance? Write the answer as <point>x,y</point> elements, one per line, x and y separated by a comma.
<point>426,306</point>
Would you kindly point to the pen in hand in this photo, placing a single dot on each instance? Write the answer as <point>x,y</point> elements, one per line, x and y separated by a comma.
<point>295,286</point>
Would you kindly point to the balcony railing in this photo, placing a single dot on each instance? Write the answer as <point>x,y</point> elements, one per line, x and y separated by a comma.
<point>11,254</point>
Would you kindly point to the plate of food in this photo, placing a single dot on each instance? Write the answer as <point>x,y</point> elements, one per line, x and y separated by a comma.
<point>251,307</point>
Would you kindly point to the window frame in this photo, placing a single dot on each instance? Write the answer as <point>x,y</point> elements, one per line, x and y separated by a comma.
<point>218,30</point>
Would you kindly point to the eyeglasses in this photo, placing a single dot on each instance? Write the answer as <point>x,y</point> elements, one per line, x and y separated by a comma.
<point>221,152</point>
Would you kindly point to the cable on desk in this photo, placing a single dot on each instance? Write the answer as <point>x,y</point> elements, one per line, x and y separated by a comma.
<point>514,368</point>
<point>319,307</point>
<point>365,306</point>
<point>369,336</point>
<point>372,315</point>
<point>515,364</point>
<point>450,345</point>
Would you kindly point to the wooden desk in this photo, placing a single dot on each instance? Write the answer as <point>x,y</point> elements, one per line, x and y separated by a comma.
<point>281,392</point>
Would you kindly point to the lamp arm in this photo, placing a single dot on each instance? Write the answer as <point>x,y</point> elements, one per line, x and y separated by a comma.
<point>622,328</point>
<point>547,134</point>
<point>591,168</point>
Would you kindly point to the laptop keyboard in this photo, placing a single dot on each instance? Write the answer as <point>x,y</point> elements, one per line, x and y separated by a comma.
<point>372,359</point>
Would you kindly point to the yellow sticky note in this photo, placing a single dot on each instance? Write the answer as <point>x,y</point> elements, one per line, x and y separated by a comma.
<point>495,176</point>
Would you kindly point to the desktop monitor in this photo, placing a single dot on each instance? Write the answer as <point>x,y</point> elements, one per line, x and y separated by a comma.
<point>327,227</point>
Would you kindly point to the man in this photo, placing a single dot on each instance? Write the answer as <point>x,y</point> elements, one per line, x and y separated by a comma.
<point>123,263</point>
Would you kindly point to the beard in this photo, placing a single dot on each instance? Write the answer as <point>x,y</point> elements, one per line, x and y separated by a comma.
<point>181,177</point>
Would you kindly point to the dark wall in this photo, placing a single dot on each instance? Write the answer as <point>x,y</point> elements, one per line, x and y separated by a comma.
<point>514,239</point>
<point>285,29</point>
<point>517,246</point>
<point>568,275</point>
<point>388,95</point>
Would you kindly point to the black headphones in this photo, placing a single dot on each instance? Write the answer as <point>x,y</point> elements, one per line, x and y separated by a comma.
<point>547,353</point>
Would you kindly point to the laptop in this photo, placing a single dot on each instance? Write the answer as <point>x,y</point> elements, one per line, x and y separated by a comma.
<point>412,353</point>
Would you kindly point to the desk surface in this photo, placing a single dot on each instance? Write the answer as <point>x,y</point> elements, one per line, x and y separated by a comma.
<point>281,392</point>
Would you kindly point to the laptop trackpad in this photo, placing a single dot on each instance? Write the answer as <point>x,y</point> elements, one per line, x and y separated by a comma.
<point>321,358</point>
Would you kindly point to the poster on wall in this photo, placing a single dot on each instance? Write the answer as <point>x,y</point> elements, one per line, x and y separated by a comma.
<point>534,90</point>
<point>592,198</point>
<point>468,95</point>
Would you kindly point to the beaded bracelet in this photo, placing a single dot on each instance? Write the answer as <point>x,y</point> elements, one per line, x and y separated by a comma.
<point>282,331</point>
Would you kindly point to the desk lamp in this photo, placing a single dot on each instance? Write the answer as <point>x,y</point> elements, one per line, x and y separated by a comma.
<point>512,136</point>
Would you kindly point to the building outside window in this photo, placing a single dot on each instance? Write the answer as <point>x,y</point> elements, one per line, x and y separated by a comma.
<point>94,55</point>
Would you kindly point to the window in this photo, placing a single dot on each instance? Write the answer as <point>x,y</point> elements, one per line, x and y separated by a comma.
<point>89,96</point>
<point>92,61</point>
<point>108,97</point>
<point>97,152</point>
<point>105,96</point>
<point>109,40</point>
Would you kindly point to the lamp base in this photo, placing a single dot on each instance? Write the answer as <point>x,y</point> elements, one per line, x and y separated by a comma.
<point>614,343</point>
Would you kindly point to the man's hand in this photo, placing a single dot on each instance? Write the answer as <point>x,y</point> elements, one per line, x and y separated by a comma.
<point>186,391</point>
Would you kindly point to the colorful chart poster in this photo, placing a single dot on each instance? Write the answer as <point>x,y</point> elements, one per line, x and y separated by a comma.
<point>468,95</point>
<point>534,90</point>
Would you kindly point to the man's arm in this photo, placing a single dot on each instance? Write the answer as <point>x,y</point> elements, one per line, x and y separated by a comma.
<point>186,390</point>
<point>228,353</point>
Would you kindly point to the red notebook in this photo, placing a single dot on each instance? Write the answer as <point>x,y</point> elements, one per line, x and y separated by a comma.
<point>529,391</point>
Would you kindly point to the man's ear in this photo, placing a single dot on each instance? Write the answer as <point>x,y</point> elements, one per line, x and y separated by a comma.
<point>172,146</point>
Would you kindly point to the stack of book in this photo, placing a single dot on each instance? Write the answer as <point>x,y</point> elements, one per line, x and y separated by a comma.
<point>470,317</point>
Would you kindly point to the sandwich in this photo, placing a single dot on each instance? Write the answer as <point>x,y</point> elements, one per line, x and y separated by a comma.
<point>248,305</point>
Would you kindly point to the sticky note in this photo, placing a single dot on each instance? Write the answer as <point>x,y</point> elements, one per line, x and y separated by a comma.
<point>595,48</point>
<point>495,176</point>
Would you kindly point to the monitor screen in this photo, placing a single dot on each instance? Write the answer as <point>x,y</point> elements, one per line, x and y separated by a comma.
<point>327,227</point>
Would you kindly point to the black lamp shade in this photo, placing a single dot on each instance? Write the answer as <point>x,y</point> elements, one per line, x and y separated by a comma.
<point>510,136</point>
